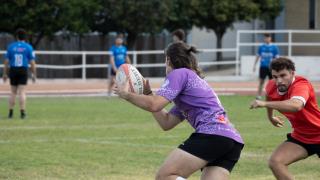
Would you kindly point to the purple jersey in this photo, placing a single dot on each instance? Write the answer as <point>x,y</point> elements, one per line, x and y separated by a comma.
<point>195,101</point>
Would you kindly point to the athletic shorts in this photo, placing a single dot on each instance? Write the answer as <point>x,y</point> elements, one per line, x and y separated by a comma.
<point>113,73</point>
<point>18,76</point>
<point>265,72</point>
<point>217,150</point>
<point>310,148</point>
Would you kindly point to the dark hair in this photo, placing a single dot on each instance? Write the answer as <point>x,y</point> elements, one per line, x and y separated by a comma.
<point>179,33</point>
<point>267,35</point>
<point>181,55</point>
<point>21,34</point>
<point>282,63</point>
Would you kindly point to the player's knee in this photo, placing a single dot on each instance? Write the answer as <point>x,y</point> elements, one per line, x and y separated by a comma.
<point>274,162</point>
<point>162,174</point>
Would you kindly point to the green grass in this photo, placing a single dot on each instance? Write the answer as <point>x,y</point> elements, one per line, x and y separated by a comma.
<point>100,138</point>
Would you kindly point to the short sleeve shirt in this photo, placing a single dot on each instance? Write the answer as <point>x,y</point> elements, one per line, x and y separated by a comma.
<point>306,122</point>
<point>19,54</point>
<point>195,101</point>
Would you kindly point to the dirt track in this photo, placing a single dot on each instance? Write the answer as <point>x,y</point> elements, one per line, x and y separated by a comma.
<point>99,87</point>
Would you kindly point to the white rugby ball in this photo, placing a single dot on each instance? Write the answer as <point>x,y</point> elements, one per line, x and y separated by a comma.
<point>134,77</point>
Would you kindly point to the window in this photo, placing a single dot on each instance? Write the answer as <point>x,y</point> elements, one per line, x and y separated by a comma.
<point>312,14</point>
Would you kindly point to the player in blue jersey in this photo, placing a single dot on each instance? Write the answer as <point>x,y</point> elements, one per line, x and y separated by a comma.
<point>118,57</point>
<point>266,53</point>
<point>18,57</point>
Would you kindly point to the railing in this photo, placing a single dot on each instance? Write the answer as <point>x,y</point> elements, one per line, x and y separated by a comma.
<point>134,54</point>
<point>85,54</point>
<point>289,42</point>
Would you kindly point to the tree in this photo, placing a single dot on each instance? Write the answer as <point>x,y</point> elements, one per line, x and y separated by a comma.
<point>135,17</point>
<point>220,15</point>
<point>45,18</point>
<point>269,10</point>
<point>179,15</point>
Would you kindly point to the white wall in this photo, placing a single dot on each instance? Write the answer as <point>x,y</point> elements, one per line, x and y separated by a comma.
<point>307,66</point>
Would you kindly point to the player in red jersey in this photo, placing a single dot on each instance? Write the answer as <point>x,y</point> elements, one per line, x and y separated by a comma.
<point>294,97</point>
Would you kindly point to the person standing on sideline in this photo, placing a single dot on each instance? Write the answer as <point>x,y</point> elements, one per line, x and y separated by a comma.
<point>178,35</point>
<point>18,57</point>
<point>294,97</point>
<point>266,53</point>
<point>215,146</point>
<point>118,57</point>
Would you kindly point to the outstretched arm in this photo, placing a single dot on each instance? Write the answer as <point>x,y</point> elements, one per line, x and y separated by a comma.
<point>290,105</point>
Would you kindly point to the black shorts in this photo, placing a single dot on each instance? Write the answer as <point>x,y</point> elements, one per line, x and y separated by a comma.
<point>310,148</point>
<point>217,150</point>
<point>113,73</point>
<point>265,72</point>
<point>18,76</point>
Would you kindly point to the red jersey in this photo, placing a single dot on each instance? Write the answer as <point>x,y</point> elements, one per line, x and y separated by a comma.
<point>306,122</point>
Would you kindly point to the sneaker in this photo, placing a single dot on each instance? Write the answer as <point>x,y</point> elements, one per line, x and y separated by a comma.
<point>10,115</point>
<point>23,115</point>
<point>259,98</point>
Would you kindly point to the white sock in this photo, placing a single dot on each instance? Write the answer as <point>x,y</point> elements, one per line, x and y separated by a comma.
<point>180,178</point>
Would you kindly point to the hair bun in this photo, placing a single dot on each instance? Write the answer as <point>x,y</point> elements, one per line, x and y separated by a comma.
<point>192,49</point>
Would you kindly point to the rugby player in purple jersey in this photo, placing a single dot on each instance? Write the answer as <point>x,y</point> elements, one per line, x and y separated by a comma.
<point>215,146</point>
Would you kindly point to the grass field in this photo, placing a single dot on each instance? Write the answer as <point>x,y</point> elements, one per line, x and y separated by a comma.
<point>100,138</point>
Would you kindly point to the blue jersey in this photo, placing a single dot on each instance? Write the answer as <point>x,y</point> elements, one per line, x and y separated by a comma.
<point>267,52</point>
<point>120,54</point>
<point>19,54</point>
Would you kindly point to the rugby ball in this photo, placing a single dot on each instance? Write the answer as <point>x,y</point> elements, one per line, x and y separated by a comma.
<point>135,78</point>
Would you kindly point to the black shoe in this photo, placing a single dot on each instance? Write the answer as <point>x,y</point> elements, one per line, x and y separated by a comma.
<point>10,115</point>
<point>23,115</point>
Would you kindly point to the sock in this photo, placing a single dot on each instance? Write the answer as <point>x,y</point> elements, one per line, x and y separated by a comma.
<point>180,178</point>
<point>10,112</point>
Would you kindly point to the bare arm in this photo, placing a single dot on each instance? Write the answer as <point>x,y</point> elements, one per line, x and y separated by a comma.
<point>113,65</point>
<point>33,67</point>
<point>128,59</point>
<point>290,105</point>
<point>153,103</point>
<point>255,63</point>
<point>5,70</point>
<point>166,120</point>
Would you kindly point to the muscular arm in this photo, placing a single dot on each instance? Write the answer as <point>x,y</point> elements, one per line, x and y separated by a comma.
<point>290,105</point>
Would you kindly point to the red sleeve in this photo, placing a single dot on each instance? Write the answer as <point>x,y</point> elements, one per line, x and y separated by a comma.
<point>268,88</point>
<point>300,89</point>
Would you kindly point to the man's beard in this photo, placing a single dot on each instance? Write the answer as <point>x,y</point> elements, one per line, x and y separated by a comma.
<point>282,88</point>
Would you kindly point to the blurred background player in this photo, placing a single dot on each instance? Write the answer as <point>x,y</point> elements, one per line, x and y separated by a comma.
<point>178,35</point>
<point>215,146</point>
<point>295,98</point>
<point>18,57</point>
<point>118,57</point>
<point>266,52</point>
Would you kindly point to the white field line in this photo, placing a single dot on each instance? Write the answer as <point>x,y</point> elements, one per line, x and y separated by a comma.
<point>244,154</point>
<point>103,92</point>
<point>71,127</point>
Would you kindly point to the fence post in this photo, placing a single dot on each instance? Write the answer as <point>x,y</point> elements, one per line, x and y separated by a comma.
<point>84,62</point>
<point>289,43</point>
<point>237,54</point>
<point>134,58</point>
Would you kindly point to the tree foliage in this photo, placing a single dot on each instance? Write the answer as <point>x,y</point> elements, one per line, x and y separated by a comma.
<point>45,18</point>
<point>133,17</point>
